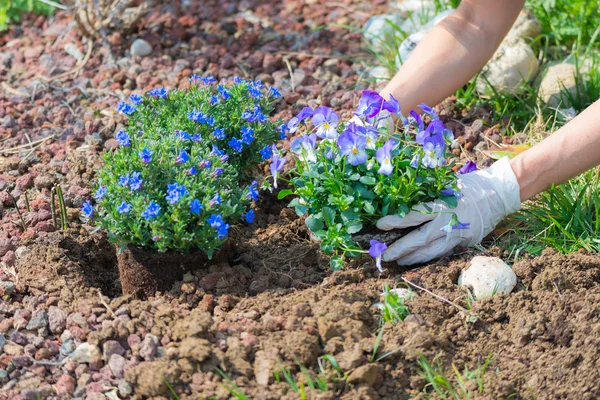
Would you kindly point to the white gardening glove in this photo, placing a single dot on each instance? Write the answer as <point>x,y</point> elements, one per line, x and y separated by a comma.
<point>488,197</point>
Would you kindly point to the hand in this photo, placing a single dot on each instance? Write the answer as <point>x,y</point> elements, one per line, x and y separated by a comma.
<point>488,196</point>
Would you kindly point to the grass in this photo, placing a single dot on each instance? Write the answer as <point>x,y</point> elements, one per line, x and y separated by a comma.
<point>320,382</point>
<point>565,217</point>
<point>11,10</point>
<point>394,310</point>
<point>457,386</point>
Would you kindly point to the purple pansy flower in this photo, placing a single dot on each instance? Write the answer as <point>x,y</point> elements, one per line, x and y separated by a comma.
<point>293,123</point>
<point>305,147</point>
<point>326,121</point>
<point>376,250</point>
<point>384,158</point>
<point>415,161</point>
<point>429,110</point>
<point>370,104</point>
<point>392,105</point>
<point>469,166</point>
<point>416,118</point>
<point>353,147</point>
<point>277,164</point>
<point>434,153</point>
<point>435,128</point>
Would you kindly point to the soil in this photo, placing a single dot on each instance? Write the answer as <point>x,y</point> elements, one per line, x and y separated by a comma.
<point>67,330</point>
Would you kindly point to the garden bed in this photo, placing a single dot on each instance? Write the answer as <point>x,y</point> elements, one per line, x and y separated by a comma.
<point>272,304</point>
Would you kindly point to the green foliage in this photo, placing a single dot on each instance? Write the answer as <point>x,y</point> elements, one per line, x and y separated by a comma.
<point>173,183</point>
<point>339,198</point>
<point>231,387</point>
<point>394,310</point>
<point>319,382</point>
<point>11,10</point>
<point>565,217</point>
<point>458,388</point>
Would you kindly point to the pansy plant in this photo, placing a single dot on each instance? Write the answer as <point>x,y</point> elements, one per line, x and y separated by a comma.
<point>348,174</point>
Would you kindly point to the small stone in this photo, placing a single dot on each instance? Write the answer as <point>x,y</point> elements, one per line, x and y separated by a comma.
<point>6,288</point>
<point>67,347</point>
<point>488,276</point>
<point>13,349</point>
<point>4,376</point>
<point>72,50</point>
<point>57,320</point>
<point>299,76</point>
<point>65,385</point>
<point>85,352</point>
<point>559,84</point>
<point>116,363</point>
<point>22,251</point>
<point>9,259</point>
<point>140,48</point>
<point>111,347</point>
<point>44,181</point>
<point>364,374</point>
<point>148,347</point>
<point>30,394</point>
<point>39,320</point>
<point>125,388</point>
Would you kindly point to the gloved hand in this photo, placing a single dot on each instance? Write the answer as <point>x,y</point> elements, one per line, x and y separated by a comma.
<point>488,197</point>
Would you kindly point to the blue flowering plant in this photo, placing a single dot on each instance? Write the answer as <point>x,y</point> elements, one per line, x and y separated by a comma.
<point>232,115</point>
<point>170,184</point>
<point>349,174</point>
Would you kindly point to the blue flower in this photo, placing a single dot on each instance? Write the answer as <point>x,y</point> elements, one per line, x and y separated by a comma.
<point>194,78</point>
<point>247,135</point>
<point>175,192</point>
<point>124,180</point>
<point>415,161</point>
<point>274,92</point>
<point>100,193</point>
<point>159,93</point>
<point>235,144</point>
<point>260,117</point>
<point>283,128</point>
<point>213,99</point>
<point>183,135</point>
<point>223,92</point>
<point>197,138</point>
<point>216,151</point>
<point>124,208</point>
<point>136,99</point>
<point>250,216</point>
<point>146,155</point>
<point>252,191</point>
<point>210,121</point>
<point>205,164</point>
<point>217,172</point>
<point>134,181</point>
<point>266,152</point>
<point>255,93</point>
<point>224,158</point>
<point>216,200</point>
<point>451,192</point>
<point>237,80</point>
<point>219,133</point>
<point>123,138</point>
<point>125,108</point>
<point>151,211</point>
<point>208,80</point>
<point>222,231</point>
<point>195,206</point>
<point>192,171</point>
<point>215,221</point>
<point>258,84</point>
<point>87,209</point>
<point>183,157</point>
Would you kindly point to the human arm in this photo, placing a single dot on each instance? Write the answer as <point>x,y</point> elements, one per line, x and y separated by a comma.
<point>453,52</point>
<point>490,195</point>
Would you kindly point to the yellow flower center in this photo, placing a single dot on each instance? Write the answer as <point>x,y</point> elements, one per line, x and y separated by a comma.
<point>326,125</point>
<point>387,160</point>
<point>355,151</point>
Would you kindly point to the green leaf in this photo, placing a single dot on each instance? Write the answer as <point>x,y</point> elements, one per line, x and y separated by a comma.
<point>301,210</point>
<point>336,263</point>
<point>451,201</point>
<point>349,215</point>
<point>282,194</point>
<point>368,180</point>
<point>329,216</point>
<point>314,224</point>
<point>368,207</point>
<point>295,202</point>
<point>354,177</point>
<point>354,226</point>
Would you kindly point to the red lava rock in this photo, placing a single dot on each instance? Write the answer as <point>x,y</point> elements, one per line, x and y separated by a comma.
<point>9,258</point>
<point>65,385</point>
<point>209,282</point>
<point>6,199</point>
<point>291,97</point>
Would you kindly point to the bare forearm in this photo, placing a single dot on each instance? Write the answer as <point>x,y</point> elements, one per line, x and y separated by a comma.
<point>453,52</point>
<point>571,150</point>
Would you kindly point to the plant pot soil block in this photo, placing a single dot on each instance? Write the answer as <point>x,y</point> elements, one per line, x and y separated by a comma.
<point>364,237</point>
<point>143,272</point>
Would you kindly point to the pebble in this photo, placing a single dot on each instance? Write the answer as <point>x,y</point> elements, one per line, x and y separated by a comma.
<point>57,320</point>
<point>3,376</point>
<point>13,349</point>
<point>148,347</point>
<point>84,353</point>
<point>67,347</point>
<point>39,320</point>
<point>6,288</point>
<point>22,251</point>
<point>488,276</point>
<point>2,342</point>
<point>125,388</point>
<point>116,363</point>
<point>65,385</point>
<point>111,347</point>
<point>140,48</point>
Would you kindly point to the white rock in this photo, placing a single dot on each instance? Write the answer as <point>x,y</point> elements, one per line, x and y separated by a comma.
<point>140,48</point>
<point>488,276</point>
<point>84,353</point>
<point>403,293</point>
<point>22,251</point>
<point>409,44</point>
<point>558,84</point>
<point>378,27</point>
<point>526,26</point>
<point>511,66</point>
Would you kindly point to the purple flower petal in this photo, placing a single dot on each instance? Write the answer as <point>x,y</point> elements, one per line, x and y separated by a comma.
<point>469,166</point>
<point>370,104</point>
